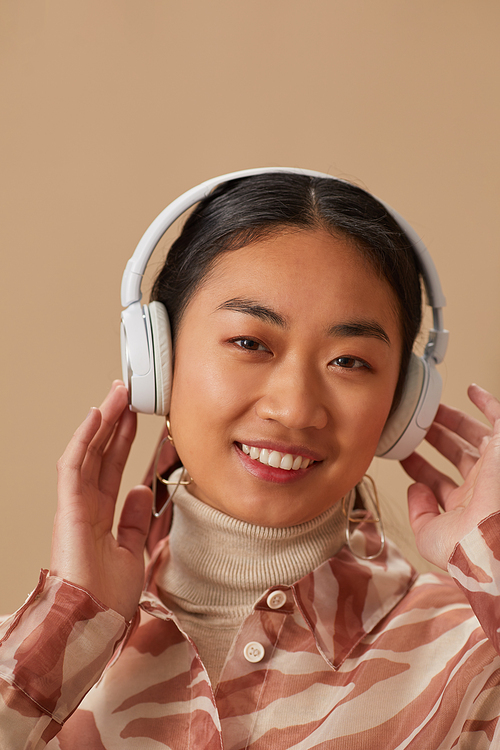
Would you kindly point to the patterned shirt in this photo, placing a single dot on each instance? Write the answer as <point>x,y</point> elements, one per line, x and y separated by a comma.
<point>357,654</point>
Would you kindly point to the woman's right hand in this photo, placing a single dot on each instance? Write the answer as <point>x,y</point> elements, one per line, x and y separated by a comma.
<point>84,550</point>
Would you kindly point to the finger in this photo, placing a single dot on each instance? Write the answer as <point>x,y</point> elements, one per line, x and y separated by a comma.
<point>111,410</point>
<point>467,427</point>
<point>422,507</point>
<point>70,464</point>
<point>424,514</point>
<point>485,401</point>
<point>422,472</point>
<point>116,454</point>
<point>462,454</point>
<point>135,519</point>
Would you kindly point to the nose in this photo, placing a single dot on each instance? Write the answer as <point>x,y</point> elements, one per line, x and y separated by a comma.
<point>293,396</point>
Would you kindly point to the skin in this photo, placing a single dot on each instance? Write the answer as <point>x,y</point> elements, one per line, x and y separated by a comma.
<point>84,549</point>
<point>289,390</point>
<point>290,379</point>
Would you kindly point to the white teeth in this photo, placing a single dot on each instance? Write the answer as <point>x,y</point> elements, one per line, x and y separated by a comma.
<point>276,459</point>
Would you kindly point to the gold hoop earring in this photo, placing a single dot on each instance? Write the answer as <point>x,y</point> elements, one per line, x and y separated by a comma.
<point>363,515</point>
<point>157,477</point>
<point>169,431</point>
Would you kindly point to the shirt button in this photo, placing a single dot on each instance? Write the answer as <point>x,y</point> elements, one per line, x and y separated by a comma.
<point>254,652</point>
<point>276,599</point>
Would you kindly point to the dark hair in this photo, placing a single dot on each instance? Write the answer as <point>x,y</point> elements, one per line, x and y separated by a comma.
<point>242,211</point>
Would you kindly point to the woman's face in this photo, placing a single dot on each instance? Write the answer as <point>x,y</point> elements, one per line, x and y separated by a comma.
<point>290,349</point>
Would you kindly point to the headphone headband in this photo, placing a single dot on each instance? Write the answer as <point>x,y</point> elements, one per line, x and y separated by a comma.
<point>134,271</point>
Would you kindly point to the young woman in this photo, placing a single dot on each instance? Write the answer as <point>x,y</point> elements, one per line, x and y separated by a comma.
<point>270,618</point>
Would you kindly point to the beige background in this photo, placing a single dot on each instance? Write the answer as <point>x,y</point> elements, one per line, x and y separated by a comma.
<point>111,108</point>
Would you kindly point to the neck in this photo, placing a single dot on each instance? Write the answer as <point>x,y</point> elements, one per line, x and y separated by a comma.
<point>219,565</point>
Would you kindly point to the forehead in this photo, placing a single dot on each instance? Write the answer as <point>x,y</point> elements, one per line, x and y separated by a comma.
<point>301,270</point>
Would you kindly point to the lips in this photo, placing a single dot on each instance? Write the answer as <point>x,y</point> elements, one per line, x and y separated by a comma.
<point>277,459</point>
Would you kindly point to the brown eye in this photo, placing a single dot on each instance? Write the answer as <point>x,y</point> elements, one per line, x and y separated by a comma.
<point>250,344</point>
<point>350,363</point>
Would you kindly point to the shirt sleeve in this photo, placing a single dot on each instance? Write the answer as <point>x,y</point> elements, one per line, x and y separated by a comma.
<point>52,651</point>
<point>475,567</point>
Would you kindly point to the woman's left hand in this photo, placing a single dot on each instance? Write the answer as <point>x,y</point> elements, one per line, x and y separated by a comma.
<point>442,512</point>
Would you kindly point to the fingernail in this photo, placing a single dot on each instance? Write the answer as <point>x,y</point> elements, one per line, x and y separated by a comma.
<point>475,385</point>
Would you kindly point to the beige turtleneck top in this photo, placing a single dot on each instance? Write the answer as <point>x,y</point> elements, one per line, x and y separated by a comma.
<point>219,566</point>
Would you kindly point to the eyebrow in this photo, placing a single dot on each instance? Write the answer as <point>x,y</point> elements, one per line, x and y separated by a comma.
<point>348,329</point>
<point>249,307</point>
<point>369,329</point>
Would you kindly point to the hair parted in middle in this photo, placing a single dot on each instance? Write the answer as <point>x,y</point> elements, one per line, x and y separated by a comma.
<point>242,211</point>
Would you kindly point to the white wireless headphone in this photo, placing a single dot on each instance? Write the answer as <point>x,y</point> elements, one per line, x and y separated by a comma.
<point>147,347</point>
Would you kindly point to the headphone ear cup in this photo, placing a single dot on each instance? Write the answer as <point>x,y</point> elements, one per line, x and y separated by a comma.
<point>162,353</point>
<point>401,417</point>
<point>408,425</point>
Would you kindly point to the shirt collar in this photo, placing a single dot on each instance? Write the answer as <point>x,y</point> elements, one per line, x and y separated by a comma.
<point>346,598</point>
<point>341,601</point>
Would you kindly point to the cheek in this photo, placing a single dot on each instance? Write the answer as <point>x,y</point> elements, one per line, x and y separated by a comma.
<point>364,415</point>
<point>205,405</point>
<point>193,391</point>
<point>190,410</point>
<point>206,384</point>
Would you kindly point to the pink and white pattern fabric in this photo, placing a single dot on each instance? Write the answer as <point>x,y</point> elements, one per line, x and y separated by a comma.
<point>359,654</point>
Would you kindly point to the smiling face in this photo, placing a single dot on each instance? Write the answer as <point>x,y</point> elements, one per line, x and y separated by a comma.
<point>287,356</point>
